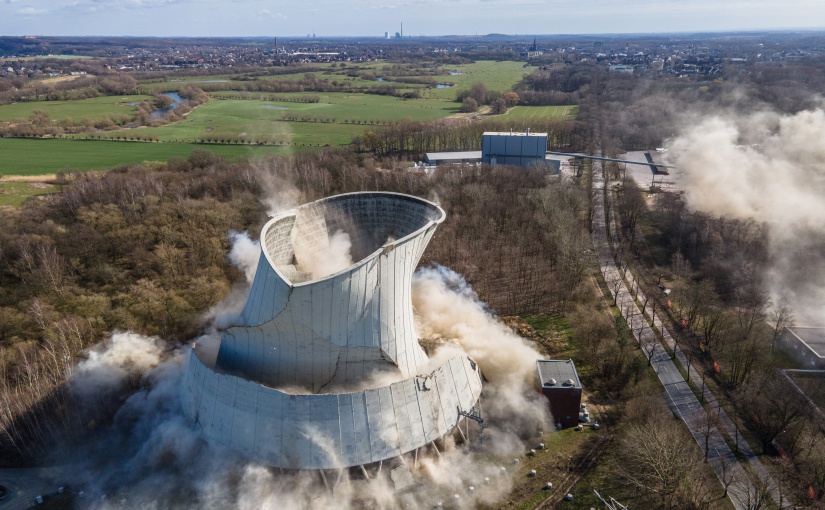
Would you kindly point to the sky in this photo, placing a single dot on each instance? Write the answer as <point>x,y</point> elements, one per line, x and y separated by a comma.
<point>249,18</point>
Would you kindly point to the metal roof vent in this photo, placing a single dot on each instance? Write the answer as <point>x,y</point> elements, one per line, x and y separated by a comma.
<point>551,382</point>
<point>568,382</point>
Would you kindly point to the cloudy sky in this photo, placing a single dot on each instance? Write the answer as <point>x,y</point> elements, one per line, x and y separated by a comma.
<point>420,17</point>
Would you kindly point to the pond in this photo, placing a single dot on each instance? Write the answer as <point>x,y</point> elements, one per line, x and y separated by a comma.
<point>443,85</point>
<point>176,100</point>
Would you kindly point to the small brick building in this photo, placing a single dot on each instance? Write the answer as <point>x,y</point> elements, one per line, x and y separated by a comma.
<point>559,383</point>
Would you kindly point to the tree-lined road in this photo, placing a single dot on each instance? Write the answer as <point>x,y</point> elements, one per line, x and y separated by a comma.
<point>743,492</point>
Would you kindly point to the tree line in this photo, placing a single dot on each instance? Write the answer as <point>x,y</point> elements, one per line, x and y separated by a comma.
<point>414,138</point>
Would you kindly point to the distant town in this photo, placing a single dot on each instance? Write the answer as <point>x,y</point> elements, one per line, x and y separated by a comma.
<point>680,55</point>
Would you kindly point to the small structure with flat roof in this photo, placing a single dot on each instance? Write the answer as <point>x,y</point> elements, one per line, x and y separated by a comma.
<point>559,383</point>
<point>443,158</point>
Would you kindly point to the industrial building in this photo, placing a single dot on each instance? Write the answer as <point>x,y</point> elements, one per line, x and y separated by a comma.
<point>325,371</point>
<point>559,383</point>
<point>508,148</point>
<point>806,345</point>
<point>521,149</point>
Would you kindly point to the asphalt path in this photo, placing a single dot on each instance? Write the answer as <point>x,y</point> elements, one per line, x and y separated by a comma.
<point>743,491</point>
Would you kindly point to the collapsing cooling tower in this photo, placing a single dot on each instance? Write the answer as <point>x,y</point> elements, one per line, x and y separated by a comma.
<point>326,372</point>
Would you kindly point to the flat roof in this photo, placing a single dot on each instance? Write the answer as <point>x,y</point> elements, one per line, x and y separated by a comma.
<point>507,133</point>
<point>814,338</point>
<point>562,371</point>
<point>453,156</point>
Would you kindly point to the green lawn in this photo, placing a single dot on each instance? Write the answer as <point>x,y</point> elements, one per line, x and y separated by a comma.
<point>44,156</point>
<point>15,193</point>
<point>94,108</point>
<point>543,112</point>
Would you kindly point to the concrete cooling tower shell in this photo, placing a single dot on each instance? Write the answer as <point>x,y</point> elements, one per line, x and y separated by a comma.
<point>325,371</point>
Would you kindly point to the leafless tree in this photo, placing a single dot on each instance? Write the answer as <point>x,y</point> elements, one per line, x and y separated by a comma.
<point>654,459</point>
<point>782,317</point>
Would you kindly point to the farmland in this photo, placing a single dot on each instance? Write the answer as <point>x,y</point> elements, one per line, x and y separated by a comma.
<point>94,108</point>
<point>334,120</point>
<point>47,156</point>
<point>239,119</point>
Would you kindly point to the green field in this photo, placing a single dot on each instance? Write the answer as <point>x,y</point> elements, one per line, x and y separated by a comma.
<point>497,76</point>
<point>45,156</point>
<point>94,108</point>
<point>276,119</point>
<point>15,193</point>
<point>343,116</point>
<point>543,112</point>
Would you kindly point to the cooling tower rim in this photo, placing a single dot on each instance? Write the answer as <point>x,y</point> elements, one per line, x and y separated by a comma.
<point>441,215</point>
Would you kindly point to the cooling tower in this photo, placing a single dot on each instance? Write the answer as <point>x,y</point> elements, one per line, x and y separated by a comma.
<point>325,371</point>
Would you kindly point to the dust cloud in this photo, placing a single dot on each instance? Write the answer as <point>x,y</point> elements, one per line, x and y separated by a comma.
<point>151,456</point>
<point>771,168</point>
<point>324,258</point>
<point>244,254</point>
<point>278,193</point>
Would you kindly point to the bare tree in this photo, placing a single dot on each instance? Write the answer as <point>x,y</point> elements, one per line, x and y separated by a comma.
<point>656,461</point>
<point>773,406</point>
<point>782,317</point>
<point>756,495</point>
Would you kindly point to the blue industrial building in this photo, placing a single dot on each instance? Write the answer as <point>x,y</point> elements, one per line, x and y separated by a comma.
<point>507,148</point>
<point>520,149</point>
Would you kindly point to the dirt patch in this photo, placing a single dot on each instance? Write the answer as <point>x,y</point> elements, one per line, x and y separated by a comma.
<point>58,79</point>
<point>45,178</point>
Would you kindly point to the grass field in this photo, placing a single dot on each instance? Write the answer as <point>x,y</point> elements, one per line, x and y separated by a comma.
<point>256,118</point>
<point>336,118</point>
<point>94,108</point>
<point>498,76</point>
<point>542,112</point>
<point>38,156</point>
<point>15,193</point>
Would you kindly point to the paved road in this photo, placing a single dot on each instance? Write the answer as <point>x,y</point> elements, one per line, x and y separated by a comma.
<point>24,485</point>
<point>681,399</point>
<point>724,422</point>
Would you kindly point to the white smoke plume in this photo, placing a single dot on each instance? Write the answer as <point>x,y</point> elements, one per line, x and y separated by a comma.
<point>771,168</point>
<point>151,456</point>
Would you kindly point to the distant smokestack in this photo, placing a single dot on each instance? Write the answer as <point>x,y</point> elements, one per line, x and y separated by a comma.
<point>402,29</point>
